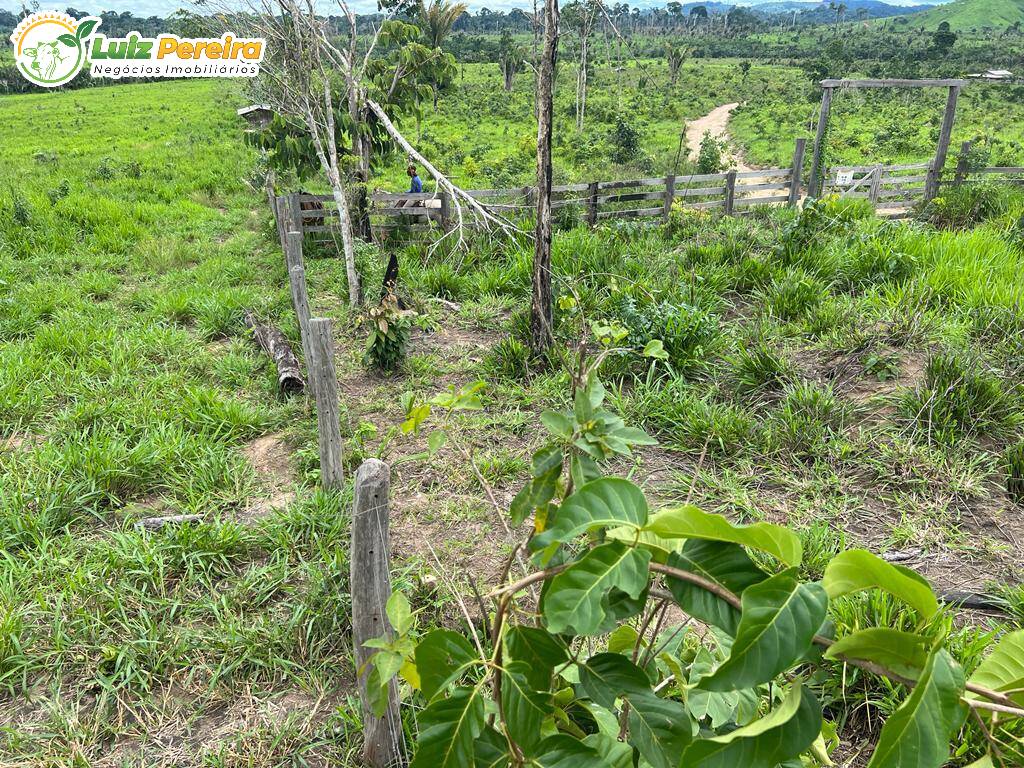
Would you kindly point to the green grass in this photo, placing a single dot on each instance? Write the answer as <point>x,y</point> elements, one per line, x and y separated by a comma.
<point>972,14</point>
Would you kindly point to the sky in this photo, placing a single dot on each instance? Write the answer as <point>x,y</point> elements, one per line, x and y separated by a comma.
<point>164,7</point>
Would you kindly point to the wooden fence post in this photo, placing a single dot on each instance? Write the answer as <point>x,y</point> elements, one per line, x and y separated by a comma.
<point>817,172</point>
<point>796,172</point>
<point>931,188</point>
<point>730,192</point>
<point>670,195</point>
<point>963,163</point>
<point>325,386</point>
<point>592,204</point>
<point>446,212</point>
<point>370,587</point>
<point>295,213</point>
<point>876,184</point>
<point>300,301</point>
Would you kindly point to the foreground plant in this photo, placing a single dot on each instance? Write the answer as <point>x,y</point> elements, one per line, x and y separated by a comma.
<point>584,665</point>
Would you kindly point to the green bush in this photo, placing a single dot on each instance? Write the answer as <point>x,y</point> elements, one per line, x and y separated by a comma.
<point>964,206</point>
<point>687,333</point>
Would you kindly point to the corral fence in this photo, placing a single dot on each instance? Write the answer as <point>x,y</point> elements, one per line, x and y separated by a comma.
<point>892,189</point>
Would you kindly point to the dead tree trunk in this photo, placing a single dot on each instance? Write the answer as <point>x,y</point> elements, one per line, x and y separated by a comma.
<point>273,342</point>
<point>540,307</point>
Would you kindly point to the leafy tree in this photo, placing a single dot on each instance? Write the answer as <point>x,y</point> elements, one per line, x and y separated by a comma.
<point>709,157</point>
<point>625,141</point>
<point>580,668</point>
<point>744,69</point>
<point>437,20</point>
<point>676,55</point>
<point>511,58</point>
<point>944,39</point>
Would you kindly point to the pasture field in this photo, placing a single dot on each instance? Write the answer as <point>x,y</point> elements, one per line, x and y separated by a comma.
<point>856,379</point>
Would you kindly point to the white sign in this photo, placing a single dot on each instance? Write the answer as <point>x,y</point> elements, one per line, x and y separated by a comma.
<point>844,178</point>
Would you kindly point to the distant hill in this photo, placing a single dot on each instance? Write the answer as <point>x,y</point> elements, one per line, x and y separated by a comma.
<point>820,12</point>
<point>972,14</point>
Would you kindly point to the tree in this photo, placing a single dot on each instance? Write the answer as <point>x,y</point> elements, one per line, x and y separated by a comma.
<point>744,69</point>
<point>944,39</point>
<point>436,20</point>
<point>579,16</point>
<point>541,311</point>
<point>511,58</point>
<point>676,55</point>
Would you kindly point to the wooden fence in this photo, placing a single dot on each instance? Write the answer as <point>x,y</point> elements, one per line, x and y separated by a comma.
<point>892,189</point>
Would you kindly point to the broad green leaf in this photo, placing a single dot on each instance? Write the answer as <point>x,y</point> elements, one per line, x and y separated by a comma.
<point>655,348</point>
<point>69,40</point>
<point>546,459</point>
<point>558,424</point>
<point>689,522</point>
<point>537,492</point>
<point>563,751</point>
<point>540,651</point>
<point>857,569</point>
<point>1003,669</point>
<point>573,600</point>
<point>634,436</point>
<point>618,607</point>
<point>399,613</point>
<point>490,750</point>
<point>782,734</point>
<point>902,652</point>
<point>523,708</point>
<point>441,658</point>
<point>436,440</point>
<point>722,563</point>
<point>607,676</point>
<point>918,733</point>
<point>606,502</point>
<point>985,761</point>
<point>618,754</point>
<point>777,625</point>
<point>583,469</point>
<point>85,28</point>
<point>448,729</point>
<point>623,639</point>
<point>660,728</point>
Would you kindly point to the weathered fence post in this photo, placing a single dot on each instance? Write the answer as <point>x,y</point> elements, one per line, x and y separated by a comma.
<point>817,172</point>
<point>963,163</point>
<point>670,195</point>
<point>730,192</point>
<point>325,387</point>
<point>876,184</point>
<point>931,188</point>
<point>296,222</point>
<point>592,204</point>
<point>280,218</point>
<point>796,172</point>
<point>370,587</point>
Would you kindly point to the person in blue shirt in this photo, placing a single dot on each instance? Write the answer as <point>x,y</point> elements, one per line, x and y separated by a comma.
<point>416,184</point>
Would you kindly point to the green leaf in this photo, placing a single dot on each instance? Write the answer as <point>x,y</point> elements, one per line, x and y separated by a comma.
<point>608,676</point>
<point>692,523</point>
<point>536,493</point>
<point>448,729</point>
<point>857,569</point>
<point>546,460</point>
<point>623,639</point>
<point>1003,669</point>
<point>727,565</point>
<point>918,733</point>
<point>441,658</point>
<point>615,752</point>
<point>524,709</point>
<point>659,728</point>
<point>780,735</point>
<point>563,751</point>
<point>558,424</point>
<point>655,348</point>
<point>902,652</point>
<point>436,440</point>
<point>490,750</point>
<point>539,650</point>
<point>573,600</point>
<point>634,436</point>
<point>85,28</point>
<point>399,613</point>
<point>69,40</point>
<point>779,619</point>
<point>583,469</point>
<point>606,502</point>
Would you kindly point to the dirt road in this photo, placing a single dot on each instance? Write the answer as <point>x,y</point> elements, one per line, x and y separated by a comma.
<point>717,123</point>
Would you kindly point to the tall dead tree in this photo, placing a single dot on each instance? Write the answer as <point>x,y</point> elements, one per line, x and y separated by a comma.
<point>541,304</point>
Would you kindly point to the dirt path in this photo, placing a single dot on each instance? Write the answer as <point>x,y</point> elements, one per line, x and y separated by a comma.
<point>715,122</point>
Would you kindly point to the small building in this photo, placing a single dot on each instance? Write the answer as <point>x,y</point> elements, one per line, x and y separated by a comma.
<point>993,74</point>
<point>257,115</point>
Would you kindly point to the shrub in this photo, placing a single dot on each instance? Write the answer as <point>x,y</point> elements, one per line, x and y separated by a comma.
<point>625,141</point>
<point>389,335</point>
<point>687,333</point>
<point>958,397</point>
<point>709,156</point>
<point>964,206</point>
<point>443,280</point>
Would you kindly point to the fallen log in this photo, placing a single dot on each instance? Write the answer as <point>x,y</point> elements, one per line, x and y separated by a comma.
<point>273,342</point>
<point>156,523</point>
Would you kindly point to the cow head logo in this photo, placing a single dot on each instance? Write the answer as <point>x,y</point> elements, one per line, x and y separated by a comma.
<point>50,47</point>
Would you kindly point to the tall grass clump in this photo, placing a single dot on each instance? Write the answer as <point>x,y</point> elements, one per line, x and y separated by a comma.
<point>967,205</point>
<point>957,398</point>
<point>809,419</point>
